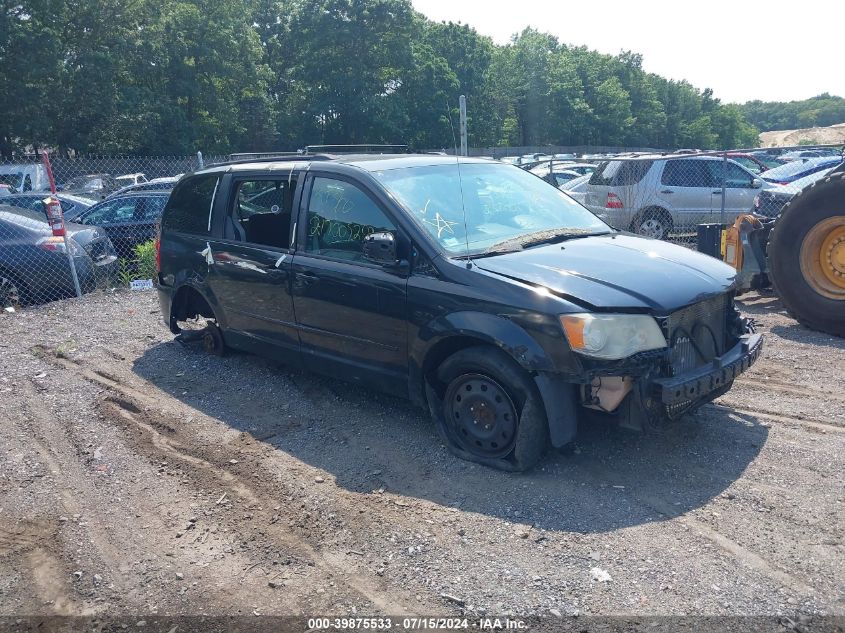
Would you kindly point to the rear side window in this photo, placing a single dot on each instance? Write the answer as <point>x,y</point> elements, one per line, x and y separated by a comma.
<point>620,173</point>
<point>189,207</point>
<point>689,173</point>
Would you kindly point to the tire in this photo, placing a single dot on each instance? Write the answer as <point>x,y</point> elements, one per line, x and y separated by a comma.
<point>212,340</point>
<point>482,387</point>
<point>796,266</point>
<point>655,222</point>
<point>12,292</point>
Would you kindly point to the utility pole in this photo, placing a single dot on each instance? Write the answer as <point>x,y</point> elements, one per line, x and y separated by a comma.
<point>463,106</point>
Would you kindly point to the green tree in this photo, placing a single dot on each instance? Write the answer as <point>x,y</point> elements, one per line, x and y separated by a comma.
<point>344,62</point>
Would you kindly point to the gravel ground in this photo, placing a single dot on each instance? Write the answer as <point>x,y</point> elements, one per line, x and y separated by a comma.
<point>139,476</point>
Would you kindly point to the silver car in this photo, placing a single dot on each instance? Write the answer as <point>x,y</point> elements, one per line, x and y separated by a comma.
<point>658,195</point>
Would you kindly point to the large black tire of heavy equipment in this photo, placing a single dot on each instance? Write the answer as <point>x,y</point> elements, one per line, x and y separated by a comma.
<point>823,199</point>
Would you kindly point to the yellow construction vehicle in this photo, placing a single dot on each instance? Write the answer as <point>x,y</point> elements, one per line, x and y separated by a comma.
<point>801,253</point>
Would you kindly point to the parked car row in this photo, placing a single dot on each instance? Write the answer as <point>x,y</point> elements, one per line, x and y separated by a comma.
<point>659,195</point>
<point>770,201</point>
<point>34,266</point>
<point>33,177</point>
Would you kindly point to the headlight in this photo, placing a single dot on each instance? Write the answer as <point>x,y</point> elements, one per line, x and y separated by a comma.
<point>612,336</point>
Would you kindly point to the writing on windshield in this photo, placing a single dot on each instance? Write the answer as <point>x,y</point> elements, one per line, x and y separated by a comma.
<point>482,204</point>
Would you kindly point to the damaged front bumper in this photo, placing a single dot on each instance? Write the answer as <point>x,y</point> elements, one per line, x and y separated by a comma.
<point>699,383</point>
<point>637,391</point>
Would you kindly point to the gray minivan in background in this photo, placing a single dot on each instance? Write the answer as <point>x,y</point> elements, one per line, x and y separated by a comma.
<point>657,195</point>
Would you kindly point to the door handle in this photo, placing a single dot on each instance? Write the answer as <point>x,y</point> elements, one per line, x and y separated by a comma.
<point>717,193</point>
<point>667,191</point>
<point>307,279</point>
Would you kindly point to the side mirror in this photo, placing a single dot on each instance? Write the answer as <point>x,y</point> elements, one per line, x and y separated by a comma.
<point>756,183</point>
<point>380,248</point>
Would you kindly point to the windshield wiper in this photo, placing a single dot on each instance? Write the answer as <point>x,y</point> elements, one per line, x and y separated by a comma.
<point>536,239</point>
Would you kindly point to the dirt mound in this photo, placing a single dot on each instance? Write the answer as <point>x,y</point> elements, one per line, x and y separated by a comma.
<point>832,135</point>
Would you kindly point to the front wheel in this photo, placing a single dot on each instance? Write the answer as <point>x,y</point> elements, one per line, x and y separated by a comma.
<point>488,410</point>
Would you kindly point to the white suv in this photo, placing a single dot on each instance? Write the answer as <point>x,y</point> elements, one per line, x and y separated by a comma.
<point>656,195</point>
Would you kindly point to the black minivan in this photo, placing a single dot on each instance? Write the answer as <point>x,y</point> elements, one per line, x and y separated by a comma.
<point>469,286</point>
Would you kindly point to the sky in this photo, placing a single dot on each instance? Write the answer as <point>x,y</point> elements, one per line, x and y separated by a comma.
<point>776,50</point>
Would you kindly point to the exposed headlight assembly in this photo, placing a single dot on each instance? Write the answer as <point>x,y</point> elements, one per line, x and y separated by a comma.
<point>612,336</point>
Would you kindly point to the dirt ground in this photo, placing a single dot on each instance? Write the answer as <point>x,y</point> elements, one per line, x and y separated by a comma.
<point>832,135</point>
<point>139,477</point>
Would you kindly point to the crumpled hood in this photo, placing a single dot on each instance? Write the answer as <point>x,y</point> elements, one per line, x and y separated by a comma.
<point>617,271</point>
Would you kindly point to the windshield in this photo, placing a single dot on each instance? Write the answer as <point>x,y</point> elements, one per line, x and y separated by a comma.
<point>500,202</point>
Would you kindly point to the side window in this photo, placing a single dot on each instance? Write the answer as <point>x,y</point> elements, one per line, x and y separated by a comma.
<point>631,172</point>
<point>687,173</point>
<point>27,183</point>
<point>749,164</point>
<point>340,216</point>
<point>150,208</point>
<point>114,212</point>
<point>261,213</point>
<point>189,207</point>
<point>736,177</point>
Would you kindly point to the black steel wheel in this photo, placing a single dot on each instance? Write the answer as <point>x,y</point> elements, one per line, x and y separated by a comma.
<point>488,410</point>
<point>482,414</point>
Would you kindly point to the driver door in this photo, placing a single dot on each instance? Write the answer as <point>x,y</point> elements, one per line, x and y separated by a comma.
<point>351,313</point>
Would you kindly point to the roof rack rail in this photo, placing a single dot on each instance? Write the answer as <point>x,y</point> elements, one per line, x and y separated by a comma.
<point>366,148</point>
<point>271,158</point>
<point>242,155</point>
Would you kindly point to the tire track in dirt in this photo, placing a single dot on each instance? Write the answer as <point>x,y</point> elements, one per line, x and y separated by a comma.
<point>38,413</point>
<point>787,420</point>
<point>139,410</point>
<point>122,400</point>
<point>778,386</point>
<point>46,565</point>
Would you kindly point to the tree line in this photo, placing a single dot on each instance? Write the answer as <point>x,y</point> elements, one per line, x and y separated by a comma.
<point>176,76</point>
<point>821,111</point>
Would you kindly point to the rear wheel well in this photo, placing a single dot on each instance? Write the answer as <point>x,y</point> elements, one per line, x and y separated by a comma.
<point>187,304</point>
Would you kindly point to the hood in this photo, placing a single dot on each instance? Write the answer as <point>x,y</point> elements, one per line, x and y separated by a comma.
<point>619,271</point>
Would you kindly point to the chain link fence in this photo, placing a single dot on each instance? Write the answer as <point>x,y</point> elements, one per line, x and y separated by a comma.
<point>112,205</point>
